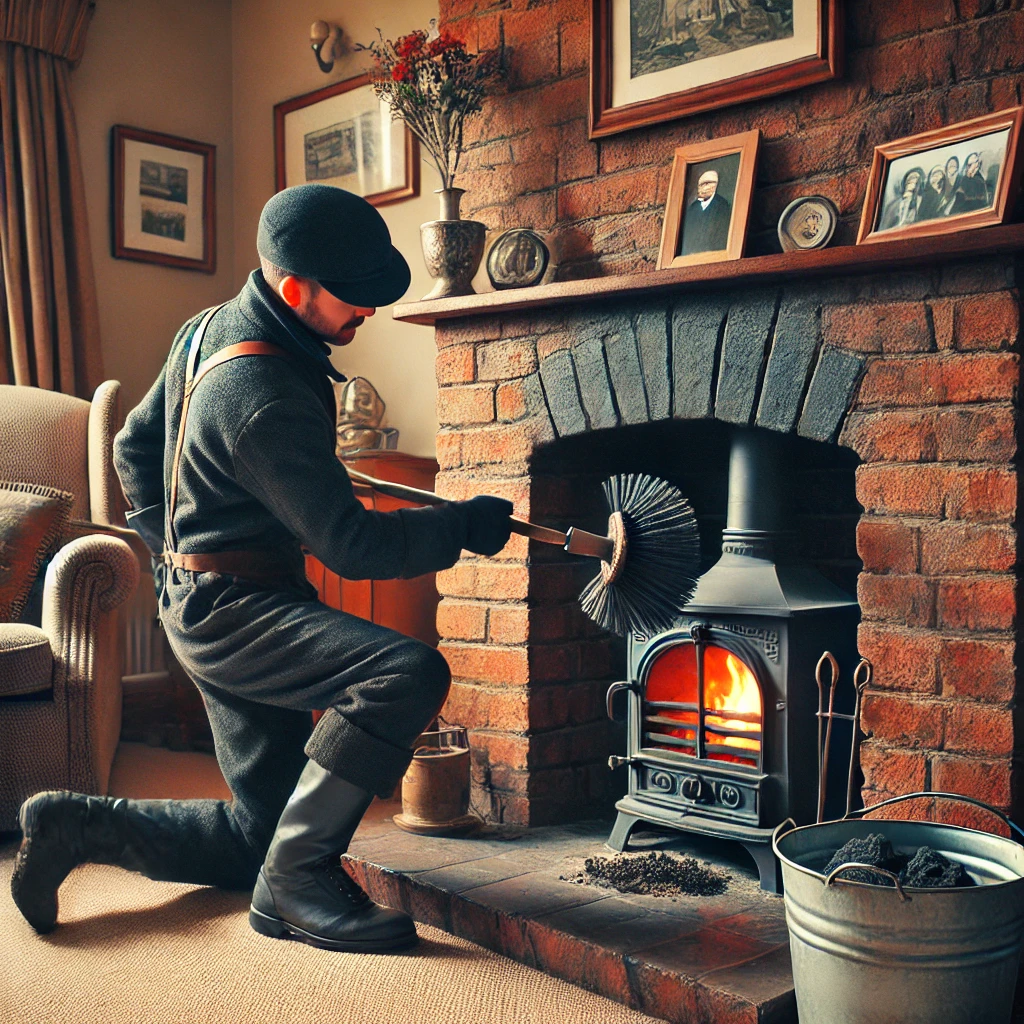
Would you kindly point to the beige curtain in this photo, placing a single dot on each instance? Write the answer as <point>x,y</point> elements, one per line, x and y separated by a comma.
<point>49,326</point>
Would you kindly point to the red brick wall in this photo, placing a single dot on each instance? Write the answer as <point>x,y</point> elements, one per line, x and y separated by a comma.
<point>911,65</point>
<point>936,425</point>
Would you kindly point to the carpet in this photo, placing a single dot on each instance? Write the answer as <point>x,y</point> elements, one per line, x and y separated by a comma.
<point>133,951</point>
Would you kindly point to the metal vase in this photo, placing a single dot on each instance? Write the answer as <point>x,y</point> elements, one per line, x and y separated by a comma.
<point>452,248</point>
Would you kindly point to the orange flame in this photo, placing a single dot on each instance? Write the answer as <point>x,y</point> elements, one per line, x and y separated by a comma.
<point>735,690</point>
<point>730,689</point>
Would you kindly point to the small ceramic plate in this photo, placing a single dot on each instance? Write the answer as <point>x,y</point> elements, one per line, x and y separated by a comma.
<point>517,259</point>
<point>807,223</point>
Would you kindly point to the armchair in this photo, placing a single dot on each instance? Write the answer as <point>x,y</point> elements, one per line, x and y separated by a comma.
<point>60,682</point>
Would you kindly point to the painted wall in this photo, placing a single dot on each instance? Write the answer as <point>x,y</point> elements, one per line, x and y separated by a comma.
<point>162,65</point>
<point>272,62</point>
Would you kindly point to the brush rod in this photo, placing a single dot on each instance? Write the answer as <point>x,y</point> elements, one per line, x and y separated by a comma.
<point>526,529</point>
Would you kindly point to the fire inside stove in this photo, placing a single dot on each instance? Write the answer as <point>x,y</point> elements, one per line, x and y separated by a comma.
<point>703,702</point>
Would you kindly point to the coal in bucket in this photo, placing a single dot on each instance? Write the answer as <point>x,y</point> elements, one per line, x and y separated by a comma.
<point>885,954</point>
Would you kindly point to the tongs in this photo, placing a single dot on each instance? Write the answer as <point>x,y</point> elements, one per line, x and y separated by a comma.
<point>861,678</point>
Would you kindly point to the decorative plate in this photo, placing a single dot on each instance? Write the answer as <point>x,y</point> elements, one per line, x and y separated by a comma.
<point>518,259</point>
<point>807,223</point>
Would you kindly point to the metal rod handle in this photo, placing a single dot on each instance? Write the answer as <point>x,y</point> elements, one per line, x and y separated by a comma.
<point>592,545</point>
<point>833,876</point>
<point>780,830</point>
<point>403,491</point>
<point>610,695</point>
<point>860,812</point>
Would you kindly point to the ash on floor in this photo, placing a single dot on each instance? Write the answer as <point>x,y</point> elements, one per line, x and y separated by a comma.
<point>652,874</point>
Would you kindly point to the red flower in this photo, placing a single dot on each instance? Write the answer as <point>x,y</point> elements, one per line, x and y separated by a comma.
<point>407,46</point>
<point>445,43</point>
<point>401,72</point>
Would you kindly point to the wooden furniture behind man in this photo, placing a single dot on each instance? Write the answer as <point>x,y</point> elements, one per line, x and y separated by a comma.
<point>409,606</point>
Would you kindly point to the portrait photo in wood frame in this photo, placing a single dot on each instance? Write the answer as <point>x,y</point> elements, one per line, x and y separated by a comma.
<point>163,199</point>
<point>708,203</point>
<point>657,60</point>
<point>344,135</point>
<point>963,176</point>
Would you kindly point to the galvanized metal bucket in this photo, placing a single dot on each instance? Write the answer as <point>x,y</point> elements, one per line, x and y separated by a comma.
<point>876,954</point>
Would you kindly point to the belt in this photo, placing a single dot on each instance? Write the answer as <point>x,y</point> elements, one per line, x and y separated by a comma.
<point>259,566</point>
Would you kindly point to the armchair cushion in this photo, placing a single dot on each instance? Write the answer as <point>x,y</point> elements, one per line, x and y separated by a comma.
<point>26,660</point>
<point>32,519</point>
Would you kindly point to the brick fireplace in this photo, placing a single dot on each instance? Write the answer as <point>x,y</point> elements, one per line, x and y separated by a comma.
<point>897,376</point>
<point>910,375</point>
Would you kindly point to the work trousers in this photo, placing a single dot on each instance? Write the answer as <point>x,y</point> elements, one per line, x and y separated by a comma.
<point>263,659</point>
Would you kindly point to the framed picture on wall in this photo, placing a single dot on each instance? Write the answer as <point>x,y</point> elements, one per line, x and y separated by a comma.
<point>656,60</point>
<point>343,135</point>
<point>163,200</point>
<point>951,179</point>
<point>709,201</point>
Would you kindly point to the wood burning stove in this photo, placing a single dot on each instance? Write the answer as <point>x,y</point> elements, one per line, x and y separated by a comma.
<point>721,727</point>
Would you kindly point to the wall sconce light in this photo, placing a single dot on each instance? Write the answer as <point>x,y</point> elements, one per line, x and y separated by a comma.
<point>324,39</point>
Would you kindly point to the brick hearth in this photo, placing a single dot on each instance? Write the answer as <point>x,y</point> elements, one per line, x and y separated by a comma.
<point>699,960</point>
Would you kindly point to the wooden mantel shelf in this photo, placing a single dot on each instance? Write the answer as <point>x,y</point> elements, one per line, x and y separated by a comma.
<point>847,259</point>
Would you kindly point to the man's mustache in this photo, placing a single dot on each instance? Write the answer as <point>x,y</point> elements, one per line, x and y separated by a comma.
<point>353,323</point>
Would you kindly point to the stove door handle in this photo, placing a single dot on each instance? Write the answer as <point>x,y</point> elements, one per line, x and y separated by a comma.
<point>610,696</point>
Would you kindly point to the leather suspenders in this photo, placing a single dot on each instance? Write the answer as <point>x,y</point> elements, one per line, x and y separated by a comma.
<point>265,565</point>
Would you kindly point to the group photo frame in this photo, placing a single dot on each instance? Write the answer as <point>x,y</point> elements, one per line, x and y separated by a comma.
<point>657,60</point>
<point>163,199</point>
<point>708,205</point>
<point>955,178</point>
<point>344,135</point>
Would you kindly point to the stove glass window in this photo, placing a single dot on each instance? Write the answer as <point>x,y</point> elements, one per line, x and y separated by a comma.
<point>703,702</point>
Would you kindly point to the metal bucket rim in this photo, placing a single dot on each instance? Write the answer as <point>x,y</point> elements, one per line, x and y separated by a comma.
<point>988,886</point>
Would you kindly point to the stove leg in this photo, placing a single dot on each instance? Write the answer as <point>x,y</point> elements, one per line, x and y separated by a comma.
<point>768,867</point>
<point>624,825</point>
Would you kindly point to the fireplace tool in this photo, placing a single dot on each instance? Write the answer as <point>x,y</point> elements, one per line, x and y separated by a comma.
<point>861,678</point>
<point>649,560</point>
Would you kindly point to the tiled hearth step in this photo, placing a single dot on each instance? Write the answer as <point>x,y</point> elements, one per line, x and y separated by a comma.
<point>700,960</point>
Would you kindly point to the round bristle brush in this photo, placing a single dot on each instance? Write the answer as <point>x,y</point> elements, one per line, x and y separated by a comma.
<point>656,560</point>
<point>649,561</point>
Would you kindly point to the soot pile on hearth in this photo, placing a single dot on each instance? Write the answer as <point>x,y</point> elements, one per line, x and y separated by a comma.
<point>926,869</point>
<point>652,874</point>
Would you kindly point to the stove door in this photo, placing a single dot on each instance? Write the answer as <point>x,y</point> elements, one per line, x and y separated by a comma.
<point>701,710</point>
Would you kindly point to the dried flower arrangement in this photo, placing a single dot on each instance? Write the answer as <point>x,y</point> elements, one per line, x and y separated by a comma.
<point>433,83</point>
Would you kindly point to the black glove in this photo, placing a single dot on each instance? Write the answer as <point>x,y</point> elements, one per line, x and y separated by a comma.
<point>488,526</point>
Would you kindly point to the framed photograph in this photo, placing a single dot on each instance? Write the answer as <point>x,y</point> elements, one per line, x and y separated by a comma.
<point>343,135</point>
<point>656,60</point>
<point>709,201</point>
<point>163,203</point>
<point>950,179</point>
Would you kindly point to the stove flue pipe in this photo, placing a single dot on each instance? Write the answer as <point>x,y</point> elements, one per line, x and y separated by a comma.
<point>755,494</point>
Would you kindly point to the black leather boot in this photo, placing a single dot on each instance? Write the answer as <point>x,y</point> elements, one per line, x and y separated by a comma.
<point>62,830</point>
<point>304,893</point>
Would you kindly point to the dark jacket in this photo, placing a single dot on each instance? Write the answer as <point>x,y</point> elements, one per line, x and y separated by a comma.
<point>971,193</point>
<point>706,230</point>
<point>258,467</point>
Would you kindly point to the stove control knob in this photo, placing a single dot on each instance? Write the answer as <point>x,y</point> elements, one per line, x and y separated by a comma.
<point>730,795</point>
<point>693,788</point>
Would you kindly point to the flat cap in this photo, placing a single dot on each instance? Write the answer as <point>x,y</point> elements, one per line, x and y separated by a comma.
<point>335,238</point>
